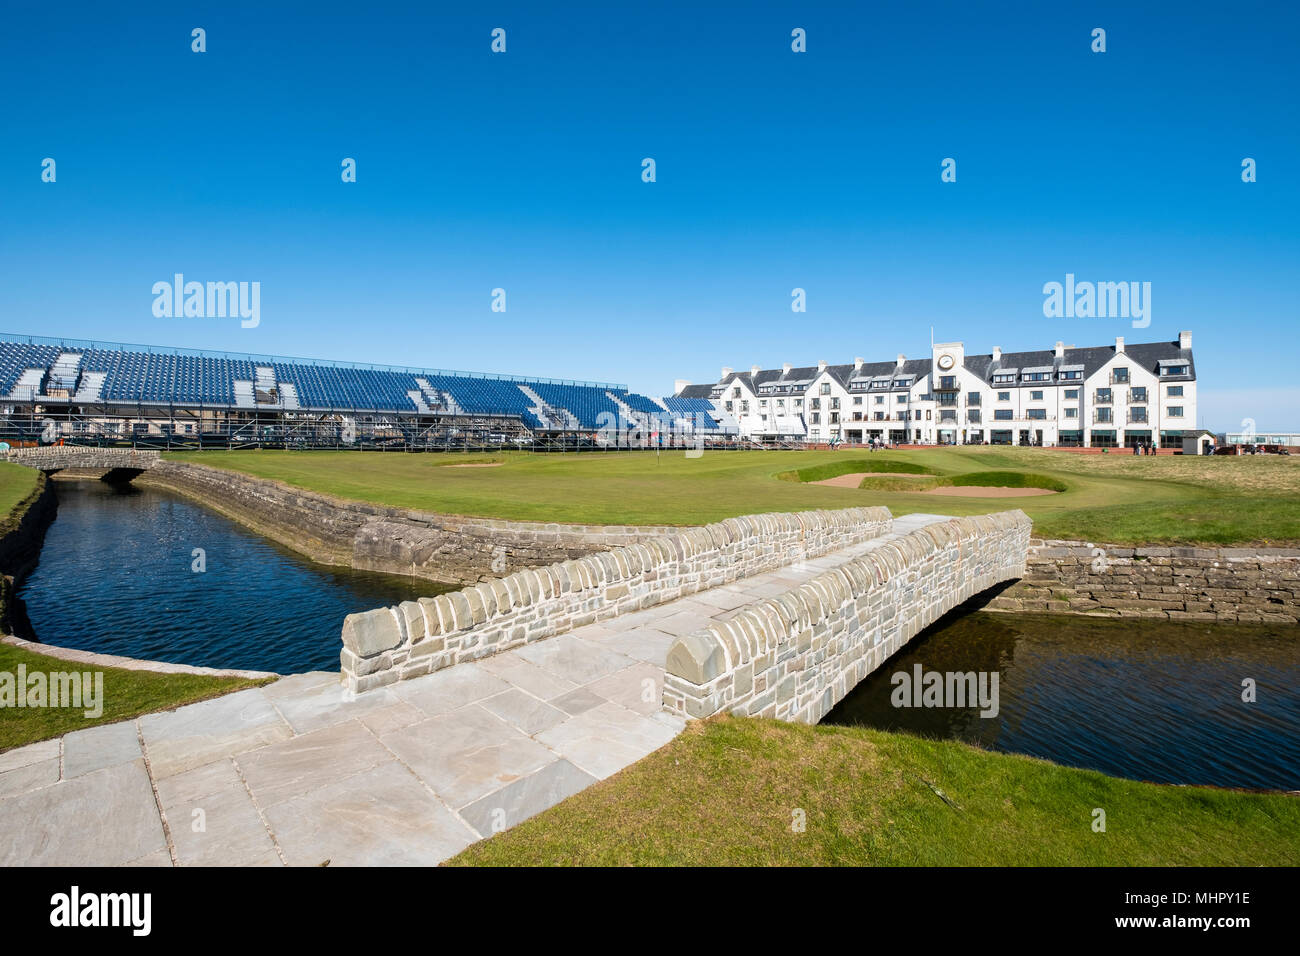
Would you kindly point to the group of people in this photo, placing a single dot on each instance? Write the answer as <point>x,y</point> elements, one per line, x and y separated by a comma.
<point>1144,448</point>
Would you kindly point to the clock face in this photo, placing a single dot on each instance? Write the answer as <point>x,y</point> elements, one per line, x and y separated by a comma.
<point>945,361</point>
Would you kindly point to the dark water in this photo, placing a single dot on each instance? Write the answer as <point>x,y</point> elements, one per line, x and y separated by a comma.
<point>115,576</point>
<point>1148,700</point>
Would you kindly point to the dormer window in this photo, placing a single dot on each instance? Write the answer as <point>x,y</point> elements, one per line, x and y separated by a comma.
<point>1173,370</point>
<point>1121,376</point>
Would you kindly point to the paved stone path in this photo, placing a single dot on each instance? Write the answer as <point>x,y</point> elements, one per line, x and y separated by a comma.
<point>294,774</point>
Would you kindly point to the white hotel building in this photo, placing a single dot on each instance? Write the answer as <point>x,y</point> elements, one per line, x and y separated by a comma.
<point>1105,396</point>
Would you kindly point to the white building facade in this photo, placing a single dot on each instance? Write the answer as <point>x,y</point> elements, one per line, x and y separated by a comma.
<point>1105,396</point>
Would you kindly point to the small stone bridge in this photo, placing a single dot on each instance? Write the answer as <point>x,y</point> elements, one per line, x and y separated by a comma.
<point>118,464</point>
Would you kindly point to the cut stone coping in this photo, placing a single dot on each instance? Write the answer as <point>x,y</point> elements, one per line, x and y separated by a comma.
<point>128,663</point>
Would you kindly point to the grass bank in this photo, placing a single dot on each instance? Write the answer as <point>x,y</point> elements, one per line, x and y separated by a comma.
<point>1118,499</point>
<point>729,791</point>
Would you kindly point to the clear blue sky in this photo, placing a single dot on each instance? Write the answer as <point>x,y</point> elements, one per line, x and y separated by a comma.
<point>775,170</point>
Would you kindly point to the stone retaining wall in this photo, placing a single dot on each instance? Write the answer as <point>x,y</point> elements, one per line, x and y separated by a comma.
<point>51,457</point>
<point>448,549</point>
<point>795,656</point>
<point>1191,584</point>
<point>418,637</point>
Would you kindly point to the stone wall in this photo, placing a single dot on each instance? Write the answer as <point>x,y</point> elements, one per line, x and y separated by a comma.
<point>1190,584</point>
<point>448,549</point>
<point>418,637</point>
<point>22,532</point>
<point>795,656</point>
<point>50,457</point>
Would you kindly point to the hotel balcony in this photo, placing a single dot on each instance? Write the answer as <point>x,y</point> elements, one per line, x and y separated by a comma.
<point>1103,396</point>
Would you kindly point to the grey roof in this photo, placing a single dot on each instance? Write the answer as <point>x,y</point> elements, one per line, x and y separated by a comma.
<point>1149,355</point>
<point>696,391</point>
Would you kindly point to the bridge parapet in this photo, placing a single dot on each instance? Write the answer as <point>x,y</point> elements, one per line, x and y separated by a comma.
<point>796,655</point>
<point>417,637</point>
<point>59,457</point>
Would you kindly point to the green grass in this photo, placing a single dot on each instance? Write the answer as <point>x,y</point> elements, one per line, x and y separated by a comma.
<point>849,466</point>
<point>1116,498</point>
<point>17,485</point>
<point>126,694</point>
<point>726,791</point>
<point>1008,479</point>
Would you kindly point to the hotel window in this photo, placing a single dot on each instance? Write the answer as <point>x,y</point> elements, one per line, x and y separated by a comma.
<point>857,399</point>
<point>1036,396</point>
<point>947,416</point>
<point>1174,391</point>
<point>972,398</point>
<point>1002,414</point>
<point>927,414</point>
<point>798,403</point>
<point>1103,415</point>
<point>814,403</point>
<point>744,408</point>
<point>826,388</point>
<point>1038,376</point>
<point>1175,411</point>
<point>918,414</point>
<point>815,434</point>
<point>1071,376</point>
<point>816,418</point>
<point>1003,379</point>
<point>1103,395</point>
<point>735,392</point>
<point>1071,413</point>
<point>857,416</point>
<point>900,383</point>
<point>948,381</point>
<point>879,416</point>
<point>1173,370</point>
<point>780,404</point>
<point>1137,414</point>
<point>762,403</point>
<point>835,418</point>
<point>1071,393</point>
<point>973,415</point>
<point>1137,394</point>
<point>1004,396</point>
<point>730,407</point>
<point>1120,376</point>
<point>1037,414</point>
<point>880,399</point>
<point>835,403</point>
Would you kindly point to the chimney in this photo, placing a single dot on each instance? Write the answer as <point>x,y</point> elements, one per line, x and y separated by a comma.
<point>821,365</point>
<point>857,364</point>
<point>726,370</point>
<point>1060,351</point>
<point>997,353</point>
<point>1184,340</point>
<point>753,370</point>
<point>680,384</point>
<point>1119,345</point>
<point>901,359</point>
<point>785,369</point>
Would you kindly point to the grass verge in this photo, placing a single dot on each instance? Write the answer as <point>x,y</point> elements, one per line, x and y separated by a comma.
<point>727,792</point>
<point>127,693</point>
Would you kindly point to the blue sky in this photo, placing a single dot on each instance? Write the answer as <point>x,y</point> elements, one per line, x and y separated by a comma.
<point>775,170</point>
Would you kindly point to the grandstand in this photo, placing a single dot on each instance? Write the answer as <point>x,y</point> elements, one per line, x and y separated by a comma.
<point>64,389</point>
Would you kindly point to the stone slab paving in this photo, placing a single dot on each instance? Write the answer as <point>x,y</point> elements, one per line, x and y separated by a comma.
<point>294,773</point>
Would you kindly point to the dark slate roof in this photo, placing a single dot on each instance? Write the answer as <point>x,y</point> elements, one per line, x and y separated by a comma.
<point>696,391</point>
<point>1144,355</point>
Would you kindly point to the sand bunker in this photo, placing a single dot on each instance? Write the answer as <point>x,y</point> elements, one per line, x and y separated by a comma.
<point>976,491</point>
<point>855,479</point>
<point>477,464</point>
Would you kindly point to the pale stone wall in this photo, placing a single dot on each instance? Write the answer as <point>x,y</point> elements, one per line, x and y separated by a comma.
<point>1242,585</point>
<point>418,637</point>
<point>796,655</point>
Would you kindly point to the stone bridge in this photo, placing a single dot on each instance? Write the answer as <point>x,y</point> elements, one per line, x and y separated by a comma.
<point>118,464</point>
<point>778,615</point>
